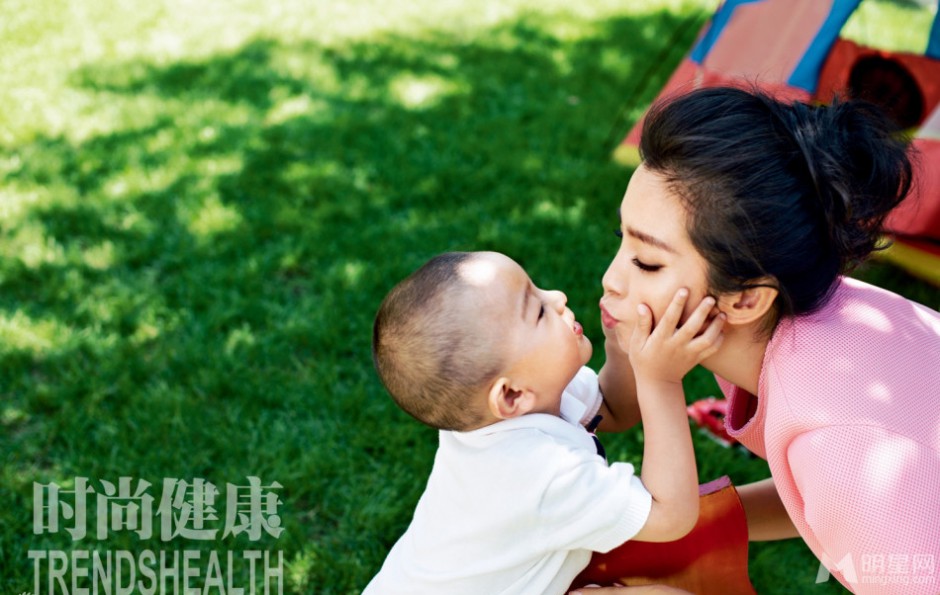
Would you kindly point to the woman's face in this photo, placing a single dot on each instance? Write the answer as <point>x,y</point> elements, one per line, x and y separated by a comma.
<point>655,258</point>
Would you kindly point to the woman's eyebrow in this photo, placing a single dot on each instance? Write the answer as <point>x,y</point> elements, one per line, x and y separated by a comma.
<point>645,237</point>
<point>648,239</point>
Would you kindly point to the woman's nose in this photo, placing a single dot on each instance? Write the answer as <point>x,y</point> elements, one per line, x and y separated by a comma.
<point>612,281</point>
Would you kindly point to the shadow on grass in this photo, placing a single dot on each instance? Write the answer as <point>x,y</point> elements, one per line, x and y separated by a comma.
<point>202,298</point>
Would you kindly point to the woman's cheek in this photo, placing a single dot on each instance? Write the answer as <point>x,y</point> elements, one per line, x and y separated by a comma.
<point>662,304</point>
<point>628,314</point>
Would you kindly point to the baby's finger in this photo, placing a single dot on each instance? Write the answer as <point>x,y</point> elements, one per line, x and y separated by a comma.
<point>696,320</point>
<point>711,349</point>
<point>642,328</point>
<point>710,341</point>
<point>673,313</point>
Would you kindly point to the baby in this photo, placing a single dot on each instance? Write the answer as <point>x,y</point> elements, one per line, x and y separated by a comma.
<point>519,497</point>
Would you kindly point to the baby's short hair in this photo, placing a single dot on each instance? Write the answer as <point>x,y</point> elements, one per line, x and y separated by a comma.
<point>431,353</point>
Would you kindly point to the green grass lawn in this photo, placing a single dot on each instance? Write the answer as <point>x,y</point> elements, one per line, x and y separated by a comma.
<point>203,203</point>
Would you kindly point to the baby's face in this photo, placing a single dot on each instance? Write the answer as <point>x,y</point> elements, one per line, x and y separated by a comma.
<point>544,345</point>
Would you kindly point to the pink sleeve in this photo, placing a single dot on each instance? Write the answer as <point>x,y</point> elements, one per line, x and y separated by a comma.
<point>871,504</point>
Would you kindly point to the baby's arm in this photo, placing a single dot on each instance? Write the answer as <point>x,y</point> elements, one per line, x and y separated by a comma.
<point>661,357</point>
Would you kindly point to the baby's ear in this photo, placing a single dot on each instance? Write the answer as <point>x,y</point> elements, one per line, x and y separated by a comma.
<point>506,401</point>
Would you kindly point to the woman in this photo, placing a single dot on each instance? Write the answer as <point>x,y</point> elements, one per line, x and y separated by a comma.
<point>765,205</point>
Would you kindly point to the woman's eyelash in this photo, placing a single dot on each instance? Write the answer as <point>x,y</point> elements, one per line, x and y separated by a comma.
<point>650,268</point>
<point>541,312</point>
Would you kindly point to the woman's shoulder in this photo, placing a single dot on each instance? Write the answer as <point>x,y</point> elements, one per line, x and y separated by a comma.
<point>860,323</point>
<point>858,309</point>
<point>867,354</point>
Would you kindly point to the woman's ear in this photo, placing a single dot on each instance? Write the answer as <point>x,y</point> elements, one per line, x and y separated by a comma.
<point>744,307</point>
<point>506,401</point>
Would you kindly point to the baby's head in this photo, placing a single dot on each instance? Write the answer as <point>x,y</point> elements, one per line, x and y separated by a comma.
<point>467,340</point>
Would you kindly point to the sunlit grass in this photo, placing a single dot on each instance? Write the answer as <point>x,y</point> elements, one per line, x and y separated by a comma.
<point>21,333</point>
<point>211,217</point>
<point>202,205</point>
<point>419,92</point>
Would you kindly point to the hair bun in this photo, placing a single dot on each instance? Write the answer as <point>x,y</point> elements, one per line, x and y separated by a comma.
<point>857,164</point>
<point>773,189</point>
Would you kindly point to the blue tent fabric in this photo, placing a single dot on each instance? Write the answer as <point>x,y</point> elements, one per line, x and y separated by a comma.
<point>806,74</point>
<point>933,45</point>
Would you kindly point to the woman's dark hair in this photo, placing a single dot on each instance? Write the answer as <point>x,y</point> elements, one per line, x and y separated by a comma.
<point>782,193</point>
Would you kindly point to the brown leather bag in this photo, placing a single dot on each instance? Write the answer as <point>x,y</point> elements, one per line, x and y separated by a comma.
<point>711,559</point>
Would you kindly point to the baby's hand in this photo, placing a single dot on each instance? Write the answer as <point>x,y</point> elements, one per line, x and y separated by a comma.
<point>668,352</point>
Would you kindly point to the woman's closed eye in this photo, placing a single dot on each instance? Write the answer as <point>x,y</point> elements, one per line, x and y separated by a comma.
<point>541,312</point>
<point>648,268</point>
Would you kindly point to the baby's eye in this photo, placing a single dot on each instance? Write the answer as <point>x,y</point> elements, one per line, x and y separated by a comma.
<point>649,268</point>
<point>618,233</point>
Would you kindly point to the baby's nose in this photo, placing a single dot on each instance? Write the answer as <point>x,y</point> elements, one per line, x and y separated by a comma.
<point>559,299</point>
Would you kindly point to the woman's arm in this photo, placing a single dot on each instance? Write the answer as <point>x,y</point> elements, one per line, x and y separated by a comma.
<point>767,519</point>
<point>620,408</point>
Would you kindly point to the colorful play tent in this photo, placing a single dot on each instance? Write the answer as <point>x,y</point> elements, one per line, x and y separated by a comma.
<point>793,49</point>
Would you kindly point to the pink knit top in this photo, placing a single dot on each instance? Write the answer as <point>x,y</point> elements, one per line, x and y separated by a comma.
<point>848,417</point>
